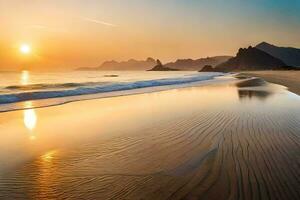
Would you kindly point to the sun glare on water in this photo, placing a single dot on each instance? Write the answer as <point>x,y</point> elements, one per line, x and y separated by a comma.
<point>24,77</point>
<point>25,49</point>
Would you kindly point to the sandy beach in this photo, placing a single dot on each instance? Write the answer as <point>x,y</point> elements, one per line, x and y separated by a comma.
<point>229,140</point>
<point>290,79</point>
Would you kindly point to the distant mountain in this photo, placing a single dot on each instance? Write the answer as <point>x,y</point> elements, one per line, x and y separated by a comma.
<point>180,64</point>
<point>198,64</point>
<point>160,67</point>
<point>289,55</point>
<point>131,64</point>
<point>251,59</point>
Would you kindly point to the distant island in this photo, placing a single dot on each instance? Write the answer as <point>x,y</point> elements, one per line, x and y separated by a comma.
<point>131,64</point>
<point>160,67</point>
<point>197,64</point>
<point>149,63</point>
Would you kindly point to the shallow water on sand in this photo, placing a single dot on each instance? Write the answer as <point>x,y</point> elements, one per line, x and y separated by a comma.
<point>221,141</point>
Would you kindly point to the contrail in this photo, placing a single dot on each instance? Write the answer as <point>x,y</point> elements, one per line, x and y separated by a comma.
<point>98,22</point>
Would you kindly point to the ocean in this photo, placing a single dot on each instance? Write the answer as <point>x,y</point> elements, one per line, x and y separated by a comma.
<point>26,89</point>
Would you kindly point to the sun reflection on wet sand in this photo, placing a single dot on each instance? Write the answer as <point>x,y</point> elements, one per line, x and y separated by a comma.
<point>46,177</point>
<point>24,77</point>
<point>30,119</point>
<point>47,157</point>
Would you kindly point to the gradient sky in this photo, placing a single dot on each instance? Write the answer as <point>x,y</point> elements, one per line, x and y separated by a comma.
<point>66,34</point>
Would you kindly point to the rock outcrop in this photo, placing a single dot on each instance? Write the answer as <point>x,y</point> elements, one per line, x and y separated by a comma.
<point>252,58</point>
<point>160,67</point>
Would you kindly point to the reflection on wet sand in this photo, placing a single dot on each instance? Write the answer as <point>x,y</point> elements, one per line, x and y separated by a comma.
<point>249,94</point>
<point>30,119</point>
<point>45,169</point>
<point>47,157</point>
<point>253,88</point>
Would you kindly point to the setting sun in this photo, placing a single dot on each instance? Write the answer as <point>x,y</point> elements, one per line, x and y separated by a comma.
<point>25,49</point>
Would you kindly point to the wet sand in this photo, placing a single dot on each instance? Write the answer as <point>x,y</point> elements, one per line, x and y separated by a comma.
<point>221,141</point>
<point>290,79</point>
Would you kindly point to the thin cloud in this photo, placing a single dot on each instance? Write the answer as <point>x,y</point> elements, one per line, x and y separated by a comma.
<point>98,22</point>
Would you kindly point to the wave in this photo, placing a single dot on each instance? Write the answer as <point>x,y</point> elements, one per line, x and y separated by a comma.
<point>51,86</point>
<point>76,89</point>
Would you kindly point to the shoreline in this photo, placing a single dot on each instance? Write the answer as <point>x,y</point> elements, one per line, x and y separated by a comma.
<point>289,79</point>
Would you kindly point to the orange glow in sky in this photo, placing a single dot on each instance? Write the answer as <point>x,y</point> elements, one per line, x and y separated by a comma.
<point>72,34</point>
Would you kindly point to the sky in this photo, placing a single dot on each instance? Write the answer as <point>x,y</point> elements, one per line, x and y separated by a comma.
<point>66,34</point>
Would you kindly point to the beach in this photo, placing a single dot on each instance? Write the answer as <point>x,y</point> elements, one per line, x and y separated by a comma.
<point>149,100</point>
<point>290,78</point>
<point>234,139</point>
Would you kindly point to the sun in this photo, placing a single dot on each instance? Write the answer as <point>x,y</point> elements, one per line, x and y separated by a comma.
<point>25,49</point>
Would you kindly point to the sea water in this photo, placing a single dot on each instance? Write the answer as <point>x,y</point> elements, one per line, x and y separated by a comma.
<point>44,89</point>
